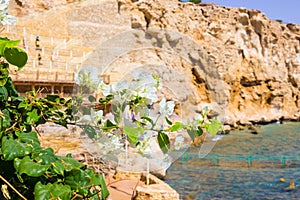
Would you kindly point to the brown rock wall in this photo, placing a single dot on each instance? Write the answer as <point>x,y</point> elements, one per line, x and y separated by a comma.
<point>246,63</point>
<point>256,59</point>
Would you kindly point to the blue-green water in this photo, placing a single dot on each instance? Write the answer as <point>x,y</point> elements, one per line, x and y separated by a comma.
<point>242,166</point>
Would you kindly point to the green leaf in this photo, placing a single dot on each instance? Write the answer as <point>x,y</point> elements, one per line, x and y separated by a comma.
<point>92,98</point>
<point>3,73</point>
<point>3,94</point>
<point>177,126</point>
<point>29,167</point>
<point>23,104</point>
<point>4,120</point>
<point>11,88</point>
<point>109,124</point>
<point>69,162</point>
<point>32,116</point>
<point>213,127</point>
<point>6,43</point>
<point>42,192</point>
<point>86,111</point>
<point>58,167</point>
<point>148,119</point>
<point>117,112</point>
<point>109,97</point>
<point>168,121</point>
<point>52,191</point>
<point>192,133</point>
<point>133,133</point>
<point>16,56</point>
<point>52,97</point>
<point>79,181</point>
<point>102,100</point>
<point>29,138</point>
<point>97,179</point>
<point>44,156</point>
<point>199,131</point>
<point>12,148</point>
<point>90,131</point>
<point>60,191</point>
<point>163,141</point>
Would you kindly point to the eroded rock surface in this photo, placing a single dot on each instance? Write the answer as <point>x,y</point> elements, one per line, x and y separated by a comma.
<point>255,60</point>
<point>242,64</point>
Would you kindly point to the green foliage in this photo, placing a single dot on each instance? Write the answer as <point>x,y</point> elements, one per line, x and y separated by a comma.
<point>52,191</point>
<point>33,171</point>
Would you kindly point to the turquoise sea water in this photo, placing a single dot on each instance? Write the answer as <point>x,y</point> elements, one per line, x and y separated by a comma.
<point>242,166</point>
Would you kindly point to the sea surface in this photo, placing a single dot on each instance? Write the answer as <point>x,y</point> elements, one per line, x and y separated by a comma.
<point>242,166</point>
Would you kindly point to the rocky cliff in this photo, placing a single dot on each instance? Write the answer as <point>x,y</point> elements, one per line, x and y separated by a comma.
<point>245,66</point>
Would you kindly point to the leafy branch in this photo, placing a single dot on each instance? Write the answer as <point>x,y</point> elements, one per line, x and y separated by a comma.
<point>35,172</point>
<point>137,111</point>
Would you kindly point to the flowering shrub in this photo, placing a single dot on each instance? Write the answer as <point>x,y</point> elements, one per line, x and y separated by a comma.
<point>137,116</point>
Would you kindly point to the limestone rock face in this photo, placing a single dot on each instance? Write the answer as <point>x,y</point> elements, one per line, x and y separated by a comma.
<point>28,7</point>
<point>251,62</point>
<point>243,65</point>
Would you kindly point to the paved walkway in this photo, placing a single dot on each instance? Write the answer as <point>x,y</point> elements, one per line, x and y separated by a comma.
<point>121,189</point>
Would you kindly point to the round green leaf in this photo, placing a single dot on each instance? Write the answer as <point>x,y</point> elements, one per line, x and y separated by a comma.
<point>16,56</point>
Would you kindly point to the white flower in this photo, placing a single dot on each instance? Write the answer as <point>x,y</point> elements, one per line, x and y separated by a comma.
<point>166,107</point>
<point>145,85</point>
<point>151,94</point>
<point>121,86</point>
<point>85,119</point>
<point>93,118</point>
<point>5,18</point>
<point>109,145</point>
<point>144,148</point>
<point>96,115</point>
<point>179,141</point>
<point>104,88</point>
